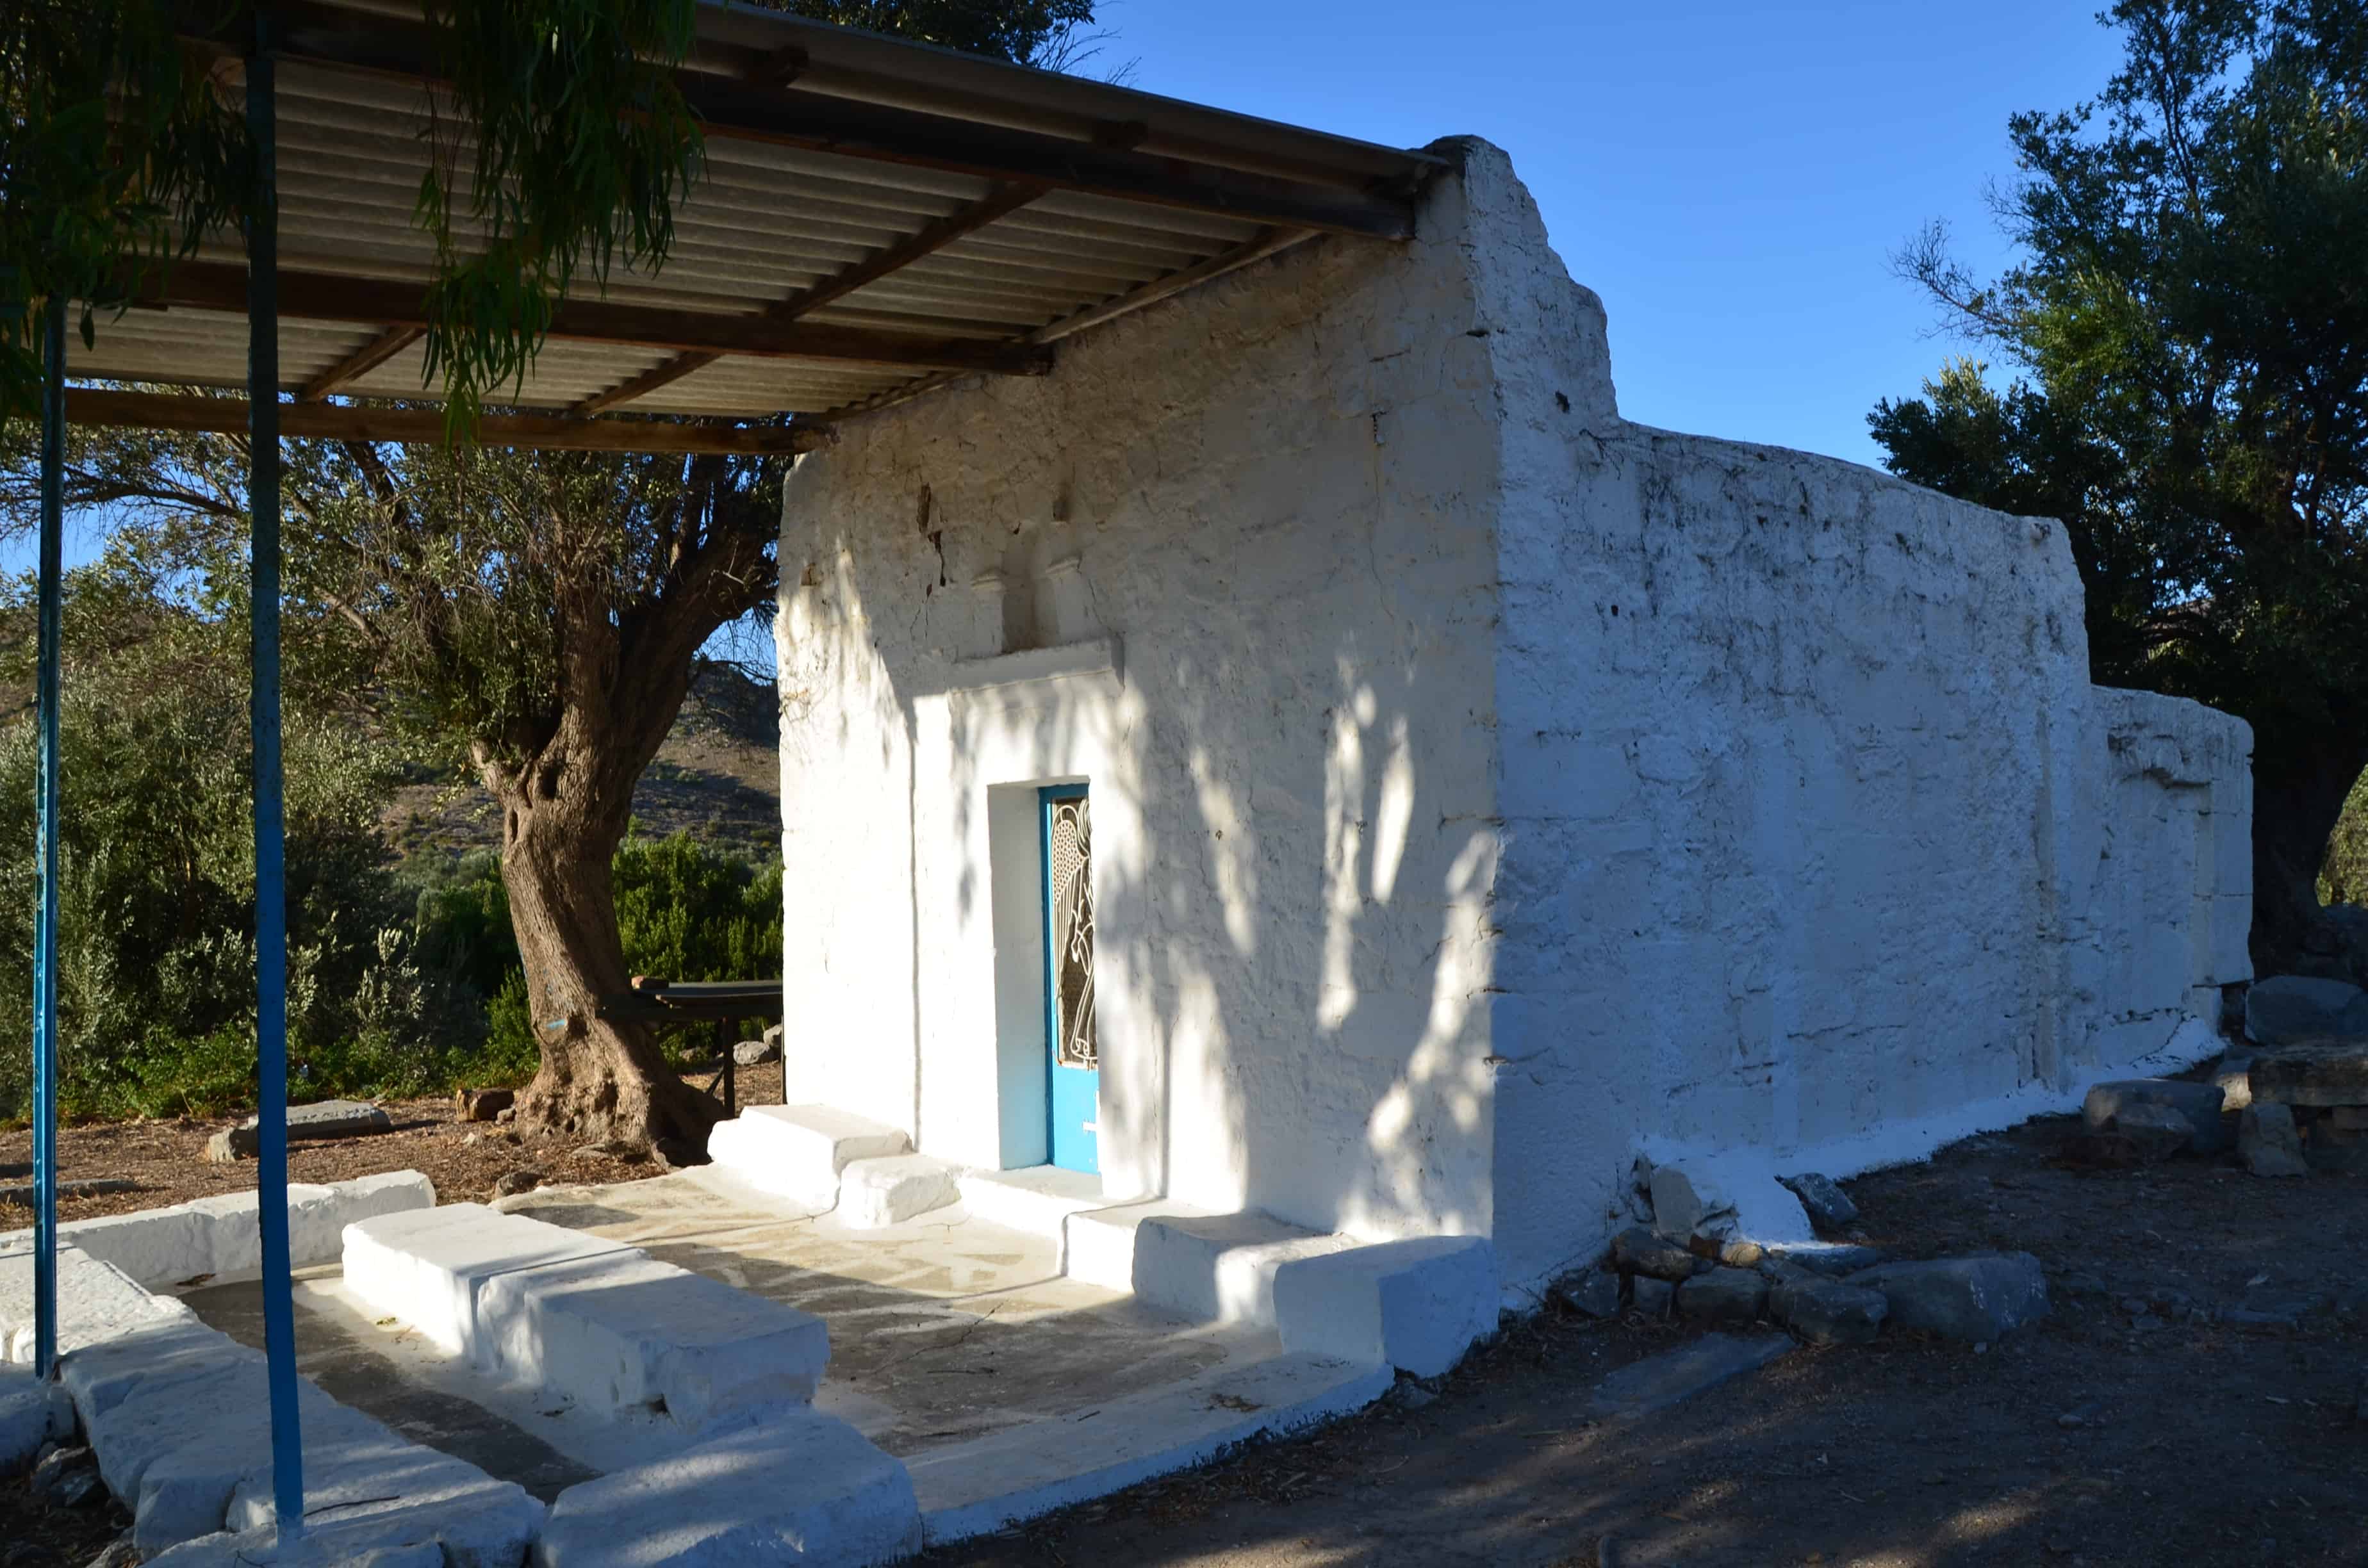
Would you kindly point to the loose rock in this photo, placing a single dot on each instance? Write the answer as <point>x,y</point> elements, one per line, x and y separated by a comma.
<point>1594,1292</point>
<point>68,1477</point>
<point>1834,1259</point>
<point>1688,1203</point>
<point>120,1553</point>
<point>517,1181</point>
<point>2234,1078</point>
<point>2108,1107</point>
<point>1723,1295</point>
<point>2287,1009</point>
<point>2324,1072</point>
<point>1829,1208</point>
<point>756,1052</point>
<point>2155,1131</point>
<point>2266,1136</point>
<point>1651,1296</point>
<point>481,1105</point>
<point>1828,1311</point>
<point>1639,1251</point>
<point>1974,1298</point>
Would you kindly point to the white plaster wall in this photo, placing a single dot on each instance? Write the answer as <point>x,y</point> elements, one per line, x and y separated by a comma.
<point>1275,497</point>
<point>1805,796</point>
<point>1484,787</point>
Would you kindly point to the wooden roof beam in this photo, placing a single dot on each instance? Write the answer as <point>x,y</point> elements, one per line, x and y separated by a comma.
<point>360,362</point>
<point>329,421</point>
<point>332,297</point>
<point>1000,202</point>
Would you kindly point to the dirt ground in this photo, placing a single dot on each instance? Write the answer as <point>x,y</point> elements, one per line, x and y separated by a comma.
<point>166,1157</point>
<point>2104,1435</point>
<point>2190,1400</point>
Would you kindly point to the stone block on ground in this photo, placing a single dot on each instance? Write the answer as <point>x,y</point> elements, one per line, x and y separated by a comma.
<point>1639,1251</point>
<point>1829,1207</point>
<point>481,1105</point>
<point>1417,1304</point>
<point>1828,1311</point>
<point>1651,1296</point>
<point>2287,1008</point>
<point>24,1194</point>
<point>1659,1382</point>
<point>1974,1299</point>
<point>1688,1202</point>
<point>891,1190</point>
<point>1723,1295</point>
<point>327,1119</point>
<point>807,1489</point>
<point>2317,1072</point>
<point>2108,1107</point>
<point>2268,1140</point>
<point>756,1052</point>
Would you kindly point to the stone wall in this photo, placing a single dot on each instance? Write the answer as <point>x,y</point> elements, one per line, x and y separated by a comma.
<point>1233,565</point>
<point>1484,787</point>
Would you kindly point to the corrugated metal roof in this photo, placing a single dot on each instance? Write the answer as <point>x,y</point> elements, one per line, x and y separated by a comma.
<point>1112,193</point>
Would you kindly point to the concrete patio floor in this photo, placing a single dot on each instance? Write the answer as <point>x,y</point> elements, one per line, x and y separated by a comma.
<point>943,1329</point>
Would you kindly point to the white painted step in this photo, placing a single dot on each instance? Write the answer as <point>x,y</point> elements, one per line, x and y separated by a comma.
<point>1221,1268</point>
<point>798,1151</point>
<point>96,1302</point>
<point>603,1325</point>
<point>891,1190</point>
<point>1036,1200</point>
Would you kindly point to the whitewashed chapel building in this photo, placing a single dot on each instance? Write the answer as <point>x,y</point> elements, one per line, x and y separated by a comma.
<point>1308,755</point>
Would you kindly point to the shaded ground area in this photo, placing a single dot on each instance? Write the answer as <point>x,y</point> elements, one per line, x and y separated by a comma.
<point>942,1328</point>
<point>352,1371</point>
<point>166,1157</point>
<point>2106,1436</point>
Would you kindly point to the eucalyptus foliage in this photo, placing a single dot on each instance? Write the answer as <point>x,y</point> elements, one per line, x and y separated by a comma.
<point>117,152</point>
<point>2186,337</point>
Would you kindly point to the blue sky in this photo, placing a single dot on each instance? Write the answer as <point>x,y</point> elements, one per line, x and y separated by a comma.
<point>1731,178</point>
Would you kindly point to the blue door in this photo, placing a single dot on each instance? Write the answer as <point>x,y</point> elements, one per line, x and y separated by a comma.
<point>1075,1061</point>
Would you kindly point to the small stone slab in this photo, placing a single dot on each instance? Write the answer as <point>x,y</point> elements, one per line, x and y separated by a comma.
<point>2109,1108</point>
<point>1723,1295</point>
<point>328,1118</point>
<point>1639,1251</point>
<point>2323,1072</point>
<point>1829,1208</point>
<point>1659,1382</point>
<point>2268,1140</point>
<point>756,1052</point>
<point>1973,1299</point>
<point>2287,1009</point>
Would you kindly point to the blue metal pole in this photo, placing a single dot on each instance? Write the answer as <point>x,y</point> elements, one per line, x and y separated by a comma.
<point>45,934</point>
<point>270,871</point>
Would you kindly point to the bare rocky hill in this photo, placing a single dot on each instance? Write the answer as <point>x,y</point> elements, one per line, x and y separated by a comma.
<point>717,776</point>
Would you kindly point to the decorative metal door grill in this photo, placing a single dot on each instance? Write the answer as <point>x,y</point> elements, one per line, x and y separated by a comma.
<point>1070,842</point>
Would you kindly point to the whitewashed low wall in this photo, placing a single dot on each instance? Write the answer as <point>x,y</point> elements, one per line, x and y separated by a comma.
<point>219,1236</point>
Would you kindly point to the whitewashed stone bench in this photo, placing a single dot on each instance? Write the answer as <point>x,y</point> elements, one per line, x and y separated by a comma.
<point>602,1324</point>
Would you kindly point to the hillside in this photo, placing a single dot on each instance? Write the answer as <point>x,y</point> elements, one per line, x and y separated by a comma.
<point>716,778</point>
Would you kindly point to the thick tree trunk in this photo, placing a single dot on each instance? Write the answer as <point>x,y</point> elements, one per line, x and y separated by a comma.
<point>2296,799</point>
<point>598,1080</point>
